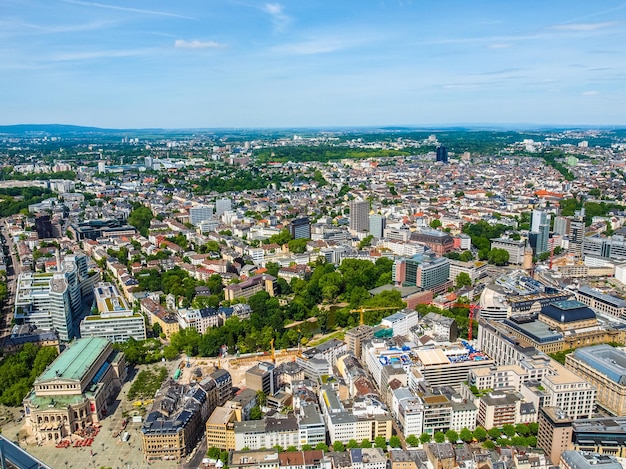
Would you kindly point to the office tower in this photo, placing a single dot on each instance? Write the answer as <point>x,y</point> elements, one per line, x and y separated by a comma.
<point>540,230</point>
<point>221,206</point>
<point>300,228</point>
<point>102,167</point>
<point>359,215</point>
<point>56,301</point>
<point>576,233</point>
<point>442,154</point>
<point>422,270</point>
<point>200,213</point>
<point>148,162</point>
<point>377,226</point>
<point>561,225</point>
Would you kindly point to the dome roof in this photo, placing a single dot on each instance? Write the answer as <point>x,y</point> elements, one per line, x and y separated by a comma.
<point>568,311</point>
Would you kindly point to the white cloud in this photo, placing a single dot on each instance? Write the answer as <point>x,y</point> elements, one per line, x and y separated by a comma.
<point>500,45</point>
<point>100,54</point>
<point>182,44</point>
<point>279,18</point>
<point>583,26</point>
<point>590,93</point>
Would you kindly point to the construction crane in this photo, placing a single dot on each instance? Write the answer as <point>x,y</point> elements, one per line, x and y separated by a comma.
<point>362,310</point>
<point>273,351</point>
<point>473,309</point>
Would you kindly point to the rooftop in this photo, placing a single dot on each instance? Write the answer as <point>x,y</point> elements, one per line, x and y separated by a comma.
<point>568,311</point>
<point>75,361</point>
<point>607,360</point>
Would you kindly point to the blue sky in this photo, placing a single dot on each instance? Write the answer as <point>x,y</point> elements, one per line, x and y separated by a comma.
<point>220,63</point>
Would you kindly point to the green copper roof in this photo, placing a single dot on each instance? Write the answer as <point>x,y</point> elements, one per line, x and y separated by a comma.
<point>75,361</point>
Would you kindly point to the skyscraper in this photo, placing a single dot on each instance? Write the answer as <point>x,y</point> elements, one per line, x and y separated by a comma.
<point>377,226</point>
<point>442,154</point>
<point>540,226</point>
<point>300,228</point>
<point>359,215</point>
<point>576,233</point>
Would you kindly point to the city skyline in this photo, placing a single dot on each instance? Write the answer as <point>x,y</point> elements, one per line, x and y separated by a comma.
<point>291,64</point>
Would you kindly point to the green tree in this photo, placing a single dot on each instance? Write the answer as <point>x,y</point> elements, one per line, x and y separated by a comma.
<point>436,223</point>
<point>522,429</point>
<point>489,444</point>
<point>439,437</point>
<point>463,280</point>
<point>261,398</point>
<point>380,442</point>
<point>395,442</point>
<point>291,449</point>
<point>498,256</point>
<point>366,443</point>
<point>509,430</point>
<point>480,433</point>
<point>213,452</point>
<point>531,441</point>
<point>140,217</point>
<point>338,446</point>
<point>307,447</point>
<point>494,433</point>
<point>425,438</point>
<point>322,446</point>
<point>367,241</point>
<point>466,435</point>
<point>534,428</point>
<point>452,436</point>
<point>466,256</point>
<point>412,440</point>
<point>255,413</point>
<point>352,444</point>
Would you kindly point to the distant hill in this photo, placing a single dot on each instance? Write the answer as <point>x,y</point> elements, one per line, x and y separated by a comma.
<point>51,129</point>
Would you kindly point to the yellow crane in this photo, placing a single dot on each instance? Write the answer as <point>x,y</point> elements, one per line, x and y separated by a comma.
<point>362,310</point>
<point>273,351</point>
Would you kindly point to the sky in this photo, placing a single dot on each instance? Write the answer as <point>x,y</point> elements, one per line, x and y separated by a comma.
<point>312,63</point>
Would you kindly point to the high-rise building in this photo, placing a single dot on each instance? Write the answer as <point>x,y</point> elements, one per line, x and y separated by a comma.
<point>561,225</point>
<point>300,228</point>
<point>427,272</point>
<point>359,215</point>
<point>540,227</point>
<point>56,301</point>
<point>576,233</point>
<point>377,226</point>
<point>221,206</point>
<point>442,154</point>
<point>555,432</point>
<point>200,213</point>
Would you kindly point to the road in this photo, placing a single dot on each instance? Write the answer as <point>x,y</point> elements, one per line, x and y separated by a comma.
<point>13,270</point>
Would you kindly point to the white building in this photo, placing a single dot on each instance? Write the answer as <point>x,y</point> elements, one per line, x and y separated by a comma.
<point>115,320</point>
<point>401,322</point>
<point>200,213</point>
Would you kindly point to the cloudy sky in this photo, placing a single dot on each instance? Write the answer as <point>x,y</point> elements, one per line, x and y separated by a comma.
<point>286,63</point>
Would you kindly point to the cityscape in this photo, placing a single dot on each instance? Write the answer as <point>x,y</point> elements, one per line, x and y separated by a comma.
<point>266,234</point>
<point>319,298</point>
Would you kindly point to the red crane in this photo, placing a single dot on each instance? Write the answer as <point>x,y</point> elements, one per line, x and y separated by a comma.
<point>473,309</point>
